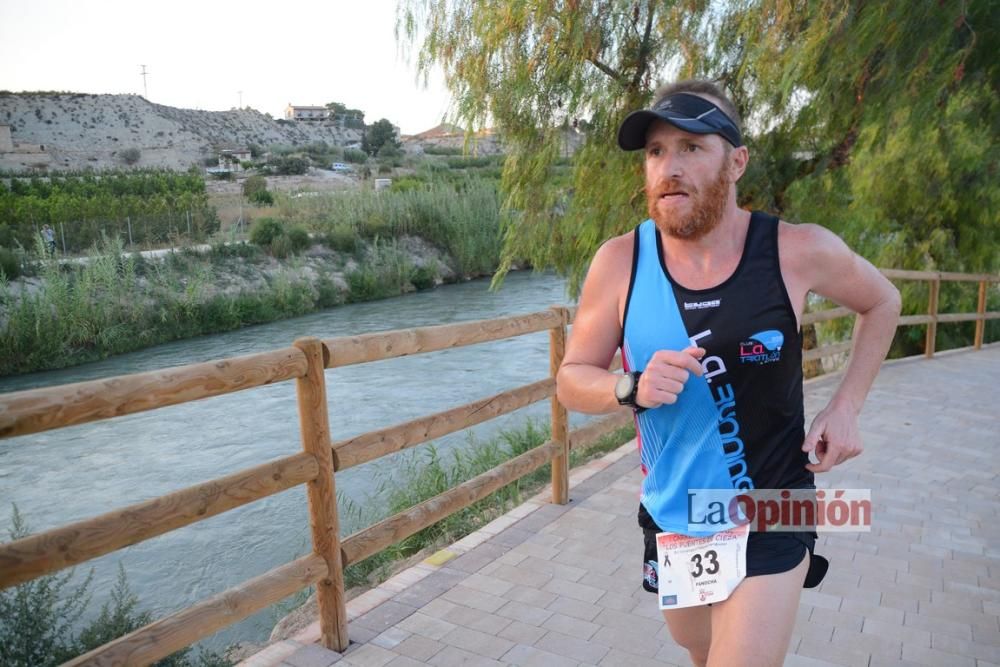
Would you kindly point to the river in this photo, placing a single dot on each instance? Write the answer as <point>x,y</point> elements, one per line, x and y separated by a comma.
<point>78,472</point>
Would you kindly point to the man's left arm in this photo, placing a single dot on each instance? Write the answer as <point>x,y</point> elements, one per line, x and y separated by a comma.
<point>832,270</point>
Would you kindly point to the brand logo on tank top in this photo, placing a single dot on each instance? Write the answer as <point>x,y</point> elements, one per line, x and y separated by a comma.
<point>762,348</point>
<point>702,305</point>
<point>733,448</point>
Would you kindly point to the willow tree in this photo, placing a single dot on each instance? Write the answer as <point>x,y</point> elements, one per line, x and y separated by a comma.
<point>878,119</point>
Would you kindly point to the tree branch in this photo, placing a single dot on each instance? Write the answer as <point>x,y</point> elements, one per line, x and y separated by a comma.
<point>644,47</point>
<point>614,74</point>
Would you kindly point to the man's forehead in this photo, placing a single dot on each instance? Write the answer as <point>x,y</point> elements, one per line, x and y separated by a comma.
<point>661,130</point>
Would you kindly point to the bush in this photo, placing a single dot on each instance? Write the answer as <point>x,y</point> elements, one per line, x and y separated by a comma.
<point>253,185</point>
<point>130,155</point>
<point>262,198</point>
<point>355,156</point>
<point>424,277</point>
<point>265,230</point>
<point>281,247</point>
<point>10,264</point>
<point>290,165</point>
<point>298,238</point>
<point>343,238</point>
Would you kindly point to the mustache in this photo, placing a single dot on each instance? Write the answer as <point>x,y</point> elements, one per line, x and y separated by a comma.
<point>667,186</point>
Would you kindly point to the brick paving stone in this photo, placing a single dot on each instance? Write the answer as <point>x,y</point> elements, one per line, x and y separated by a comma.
<point>572,647</point>
<point>616,658</point>
<point>470,597</point>
<point>453,656</point>
<point>837,653</point>
<point>403,661</point>
<point>574,590</point>
<point>391,637</point>
<point>367,655</point>
<point>529,656</point>
<point>385,616</point>
<point>522,633</point>
<point>418,648</point>
<point>888,646</point>
<point>936,658</point>
<point>479,643</point>
<point>574,627</point>
<point>531,596</point>
<point>575,608</point>
<point>427,626</point>
<point>312,655</point>
<point>518,611</point>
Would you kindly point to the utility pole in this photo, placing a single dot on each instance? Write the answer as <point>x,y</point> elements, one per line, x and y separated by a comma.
<point>145,93</point>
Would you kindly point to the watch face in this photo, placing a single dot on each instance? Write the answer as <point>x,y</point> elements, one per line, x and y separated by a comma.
<point>623,387</point>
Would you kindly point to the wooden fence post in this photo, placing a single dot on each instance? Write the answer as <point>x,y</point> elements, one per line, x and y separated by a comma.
<point>323,520</point>
<point>932,310</point>
<point>981,312</point>
<point>560,420</point>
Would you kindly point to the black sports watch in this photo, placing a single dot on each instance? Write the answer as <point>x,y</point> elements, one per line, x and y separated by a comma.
<point>626,388</point>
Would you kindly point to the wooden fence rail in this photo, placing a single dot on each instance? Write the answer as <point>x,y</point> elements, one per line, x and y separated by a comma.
<point>38,410</point>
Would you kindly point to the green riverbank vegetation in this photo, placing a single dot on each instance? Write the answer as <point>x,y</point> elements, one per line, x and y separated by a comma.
<point>321,252</point>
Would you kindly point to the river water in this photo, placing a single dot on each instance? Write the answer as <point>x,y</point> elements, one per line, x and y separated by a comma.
<point>82,471</point>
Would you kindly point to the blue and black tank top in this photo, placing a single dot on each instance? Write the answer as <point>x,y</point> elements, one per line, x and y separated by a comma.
<point>741,425</point>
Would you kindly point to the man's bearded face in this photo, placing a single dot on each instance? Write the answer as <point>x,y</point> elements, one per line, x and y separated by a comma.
<point>684,211</point>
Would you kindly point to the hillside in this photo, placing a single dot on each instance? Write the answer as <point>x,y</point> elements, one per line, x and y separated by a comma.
<point>79,130</point>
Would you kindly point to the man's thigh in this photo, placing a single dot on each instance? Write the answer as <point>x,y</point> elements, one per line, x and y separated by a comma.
<point>753,626</point>
<point>691,628</point>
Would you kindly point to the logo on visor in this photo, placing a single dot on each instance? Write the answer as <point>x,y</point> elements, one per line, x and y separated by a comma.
<point>762,348</point>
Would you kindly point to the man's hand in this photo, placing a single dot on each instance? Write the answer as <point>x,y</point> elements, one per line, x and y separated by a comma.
<point>834,436</point>
<point>665,374</point>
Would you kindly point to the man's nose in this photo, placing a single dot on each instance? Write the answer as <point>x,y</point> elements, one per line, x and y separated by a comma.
<point>670,165</point>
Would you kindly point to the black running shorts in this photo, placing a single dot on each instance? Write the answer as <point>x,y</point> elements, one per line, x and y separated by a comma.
<point>767,553</point>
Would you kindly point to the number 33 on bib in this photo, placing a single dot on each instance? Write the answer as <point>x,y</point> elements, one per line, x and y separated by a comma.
<point>698,570</point>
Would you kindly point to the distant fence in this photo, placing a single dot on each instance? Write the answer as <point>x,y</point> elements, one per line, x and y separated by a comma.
<point>38,410</point>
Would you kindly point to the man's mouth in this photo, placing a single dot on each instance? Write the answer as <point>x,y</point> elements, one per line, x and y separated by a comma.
<point>673,195</point>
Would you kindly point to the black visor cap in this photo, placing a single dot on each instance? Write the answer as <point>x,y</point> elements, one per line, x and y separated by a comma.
<point>690,113</point>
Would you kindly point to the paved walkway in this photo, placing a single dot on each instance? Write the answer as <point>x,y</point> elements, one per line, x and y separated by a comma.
<point>560,585</point>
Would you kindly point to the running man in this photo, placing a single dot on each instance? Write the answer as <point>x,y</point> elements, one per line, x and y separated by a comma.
<point>705,300</point>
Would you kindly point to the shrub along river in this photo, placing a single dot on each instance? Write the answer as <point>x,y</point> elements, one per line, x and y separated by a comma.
<point>82,471</point>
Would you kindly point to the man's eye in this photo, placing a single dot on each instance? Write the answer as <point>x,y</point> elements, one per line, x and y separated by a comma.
<point>691,148</point>
<point>655,151</point>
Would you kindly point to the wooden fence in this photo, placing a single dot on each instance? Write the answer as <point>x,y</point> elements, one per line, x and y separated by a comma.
<point>38,410</point>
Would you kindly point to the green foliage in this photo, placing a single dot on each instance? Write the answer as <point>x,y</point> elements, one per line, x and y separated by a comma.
<point>298,238</point>
<point>355,156</point>
<point>443,150</point>
<point>156,205</point>
<point>37,617</point>
<point>878,120</point>
<point>353,118</point>
<point>343,238</point>
<point>290,165</point>
<point>37,620</point>
<point>10,264</point>
<point>265,230</point>
<point>254,184</point>
<point>379,134</point>
<point>85,312</point>
<point>262,198</point>
<point>460,215</point>
<point>424,277</point>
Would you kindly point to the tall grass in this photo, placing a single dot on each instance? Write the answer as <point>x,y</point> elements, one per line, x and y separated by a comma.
<point>119,302</point>
<point>421,475</point>
<point>460,217</point>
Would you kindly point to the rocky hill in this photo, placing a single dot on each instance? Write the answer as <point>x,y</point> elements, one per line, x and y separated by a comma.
<point>79,130</point>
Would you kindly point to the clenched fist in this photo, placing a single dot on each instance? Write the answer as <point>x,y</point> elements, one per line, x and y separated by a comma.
<point>665,374</point>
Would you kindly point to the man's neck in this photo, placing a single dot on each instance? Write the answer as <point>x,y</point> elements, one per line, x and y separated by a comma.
<point>715,250</point>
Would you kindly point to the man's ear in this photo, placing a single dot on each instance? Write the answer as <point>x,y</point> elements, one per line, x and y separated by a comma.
<point>738,158</point>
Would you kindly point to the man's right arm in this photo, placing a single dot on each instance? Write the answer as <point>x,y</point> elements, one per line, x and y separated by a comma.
<point>584,383</point>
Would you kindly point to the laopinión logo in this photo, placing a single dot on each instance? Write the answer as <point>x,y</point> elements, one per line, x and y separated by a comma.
<point>762,348</point>
<point>769,510</point>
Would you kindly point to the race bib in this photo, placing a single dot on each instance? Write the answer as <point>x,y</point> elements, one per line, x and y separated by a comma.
<point>698,570</point>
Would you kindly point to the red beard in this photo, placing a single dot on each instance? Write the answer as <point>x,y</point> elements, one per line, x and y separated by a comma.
<point>705,211</point>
